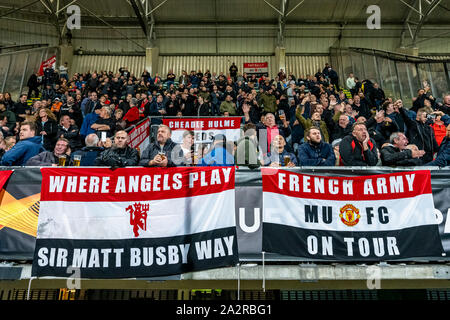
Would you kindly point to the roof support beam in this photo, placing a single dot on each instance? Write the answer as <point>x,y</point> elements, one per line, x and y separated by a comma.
<point>142,19</point>
<point>111,26</point>
<point>283,13</point>
<point>282,22</point>
<point>423,10</point>
<point>54,16</point>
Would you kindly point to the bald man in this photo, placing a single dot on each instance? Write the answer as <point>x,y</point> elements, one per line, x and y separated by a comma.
<point>120,154</point>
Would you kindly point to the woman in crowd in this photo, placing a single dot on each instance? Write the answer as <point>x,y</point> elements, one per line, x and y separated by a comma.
<point>46,127</point>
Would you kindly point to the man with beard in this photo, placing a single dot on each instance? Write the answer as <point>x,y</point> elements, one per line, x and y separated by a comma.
<point>315,152</point>
<point>357,149</point>
<point>159,153</point>
<point>120,154</point>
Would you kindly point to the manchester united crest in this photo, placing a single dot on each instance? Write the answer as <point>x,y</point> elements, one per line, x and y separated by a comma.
<point>349,215</point>
<point>138,217</point>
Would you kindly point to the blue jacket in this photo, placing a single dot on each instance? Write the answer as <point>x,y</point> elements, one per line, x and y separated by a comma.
<point>22,151</point>
<point>218,156</point>
<point>320,155</point>
<point>443,156</point>
<point>88,155</point>
<point>88,121</point>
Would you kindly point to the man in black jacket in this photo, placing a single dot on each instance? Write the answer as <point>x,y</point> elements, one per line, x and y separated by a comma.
<point>70,132</point>
<point>357,149</point>
<point>341,128</point>
<point>120,154</point>
<point>420,133</point>
<point>396,152</point>
<point>33,86</point>
<point>159,153</point>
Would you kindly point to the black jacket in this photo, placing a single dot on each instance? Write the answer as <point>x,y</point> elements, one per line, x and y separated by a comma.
<point>51,128</point>
<point>381,132</point>
<point>392,156</point>
<point>352,153</point>
<point>420,134</point>
<point>339,133</point>
<point>152,151</point>
<point>118,157</point>
<point>72,134</point>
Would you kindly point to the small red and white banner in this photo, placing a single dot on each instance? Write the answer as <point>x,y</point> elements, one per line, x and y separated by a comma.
<point>49,63</point>
<point>257,68</point>
<point>135,222</point>
<point>379,217</point>
<point>139,135</point>
<point>205,128</point>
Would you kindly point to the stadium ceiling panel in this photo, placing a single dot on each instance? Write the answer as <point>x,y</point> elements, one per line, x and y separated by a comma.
<point>409,16</point>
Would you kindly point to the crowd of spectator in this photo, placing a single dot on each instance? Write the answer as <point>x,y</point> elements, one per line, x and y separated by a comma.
<point>287,121</point>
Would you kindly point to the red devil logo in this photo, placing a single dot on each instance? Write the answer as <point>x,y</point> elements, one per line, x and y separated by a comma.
<point>138,217</point>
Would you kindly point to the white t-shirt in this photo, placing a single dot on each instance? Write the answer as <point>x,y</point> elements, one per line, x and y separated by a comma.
<point>351,83</point>
<point>62,70</point>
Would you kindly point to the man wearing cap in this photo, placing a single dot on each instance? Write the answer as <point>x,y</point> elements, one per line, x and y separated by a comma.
<point>218,155</point>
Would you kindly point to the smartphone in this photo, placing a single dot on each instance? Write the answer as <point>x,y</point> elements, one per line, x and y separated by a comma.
<point>103,136</point>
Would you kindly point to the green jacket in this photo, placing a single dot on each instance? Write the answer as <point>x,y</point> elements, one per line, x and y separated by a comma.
<point>228,106</point>
<point>204,95</point>
<point>269,102</point>
<point>308,123</point>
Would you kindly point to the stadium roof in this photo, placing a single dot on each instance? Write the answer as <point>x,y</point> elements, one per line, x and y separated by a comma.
<point>160,17</point>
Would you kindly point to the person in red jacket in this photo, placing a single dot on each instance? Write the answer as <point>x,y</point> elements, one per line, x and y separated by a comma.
<point>439,127</point>
<point>132,116</point>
